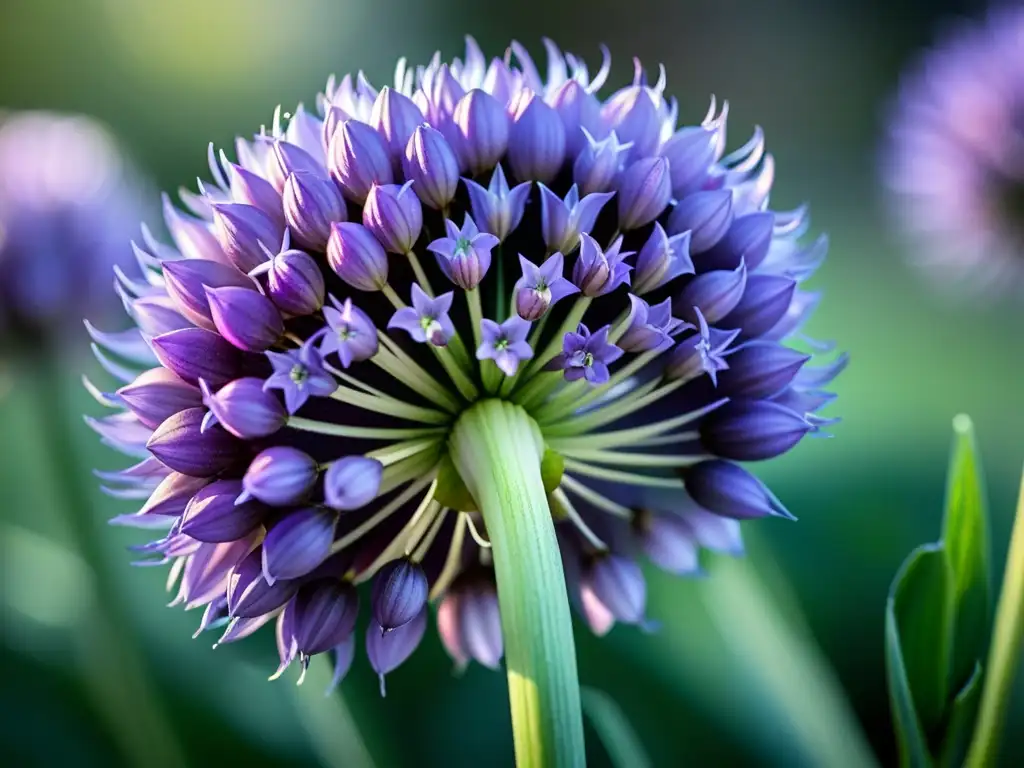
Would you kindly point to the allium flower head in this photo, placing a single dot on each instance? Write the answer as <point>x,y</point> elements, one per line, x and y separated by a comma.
<point>954,161</point>
<point>68,209</point>
<point>321,392</point>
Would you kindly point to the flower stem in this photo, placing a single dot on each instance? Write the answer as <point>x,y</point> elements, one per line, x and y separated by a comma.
<point>1005,652</point>
<point>496,449</point>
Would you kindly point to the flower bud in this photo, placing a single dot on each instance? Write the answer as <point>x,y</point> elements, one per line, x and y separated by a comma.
<point>241,229</point>
<point>747,241</point>
<point>480,622</point>
<point>358,158</point>
<point>395,117</point>
<point>480,132</point>
<point>207,575</point>
<point>194,354</point>
<point>690,152</point>
<point>536,139</point>
<point>644,192</point>
<point>322,615</point>
<point>357,257</point>
<point>187,280</point>
<point>563,221</point>
<point>295,283</point>
<point>250,188</point>
<point>399,594</point>
<point>157,314</point>
<point>580,113</point>
<point>286,158</point>
<point>669,543</point>
<point>249,594</point>
<point>617,583</point>
<point>438,95</point>
<point>498,208</point>
<point>706,215</point>
<point>212,515</point>
<point>661,260</point>
<point>716,294</point>
<point>352,482</point>
<point>298,543</point>
<point>168,500</point>
<point>761,369</point>
<point>729,490</point>
<point>431,164</point>
<point>598,164</point>
<point>158,394</point>
<point>182,445</point>
<point>394,215</point>
<point>311,204</point>
<point>764,303</point>
<point>246,318</point>
<point>388,650</point>
<point>244,409</point>
<point>752,430</point>
<point>633,114</point>
<point>192,236</point>
<point>280,476</point>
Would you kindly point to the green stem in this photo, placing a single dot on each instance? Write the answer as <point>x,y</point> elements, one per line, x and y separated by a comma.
<point>1005,652</point>
<point>496,449</point>
<point>115,671</point>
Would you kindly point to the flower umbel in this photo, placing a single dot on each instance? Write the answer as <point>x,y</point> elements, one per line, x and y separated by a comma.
<point>385,461</point>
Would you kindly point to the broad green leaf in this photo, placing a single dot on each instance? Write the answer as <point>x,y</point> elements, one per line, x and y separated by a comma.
<point>919,639</point>
<point>608,721</point>
<point>966,539</point>
<point>962,716</point>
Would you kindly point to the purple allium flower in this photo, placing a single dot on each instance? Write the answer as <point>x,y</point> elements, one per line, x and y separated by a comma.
<point>270,511</point>
<point>67,211</point>
<point>954,161</point>
<point>505,344</point>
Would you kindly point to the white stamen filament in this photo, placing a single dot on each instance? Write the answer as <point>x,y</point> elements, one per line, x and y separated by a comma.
<point>390,406</point>
<point>592,538</point>
<point>633,401</point>
<point>617,476</point>
<point>633,436</point>
<point>402,450</point>
<point>362,433</point>
<point>453,562</point>
<point>475,533</point>
<point>394,360</point>
<point>384,513</point>
<point>624,459</point>
<point>593,497</point>
<point>428,540</point>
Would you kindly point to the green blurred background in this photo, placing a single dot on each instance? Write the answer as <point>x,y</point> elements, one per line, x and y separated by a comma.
<point>750,666</point>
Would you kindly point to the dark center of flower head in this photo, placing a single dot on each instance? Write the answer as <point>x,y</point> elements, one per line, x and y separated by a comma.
<point>345,456</point>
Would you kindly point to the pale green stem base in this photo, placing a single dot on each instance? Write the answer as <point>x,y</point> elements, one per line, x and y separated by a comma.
<point>1004,656</point>
<point>496,448</point>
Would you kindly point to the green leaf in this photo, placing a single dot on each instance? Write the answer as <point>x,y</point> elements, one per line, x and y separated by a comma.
<point>966,539</point>
<point>919,640</point>
<point>619,739</point>
<point>962,716</point>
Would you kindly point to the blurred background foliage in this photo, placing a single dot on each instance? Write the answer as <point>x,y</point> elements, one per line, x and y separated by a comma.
<point>750,665</point>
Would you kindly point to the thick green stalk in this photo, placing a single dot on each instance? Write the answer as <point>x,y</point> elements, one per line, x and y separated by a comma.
<point>1004,656</point>
<point>496,449</point>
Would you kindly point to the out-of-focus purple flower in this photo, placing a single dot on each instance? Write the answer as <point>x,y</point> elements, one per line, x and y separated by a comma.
<point>954,159</point>
<point>617,584</point>
<point>299,374</point>
<point>469,621</point>
<point>394,215</point>
<point>541,287</point>
<point>465,254</point>
<point>351,334</point>
<point>389,650</point>
<point>427,319</point>
<point>598,272</point>
<point>562,221</point>
<point>498,208</point>
<point>505,344</point>
<point>586,356</point>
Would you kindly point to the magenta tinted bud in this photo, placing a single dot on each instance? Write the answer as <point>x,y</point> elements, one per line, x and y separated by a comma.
<point>632,113</point>
<point>479,621</point>
<point>644,192</point>
<point>182,445</point>
<point>579,111</point>
<point>498,209</point>
<point>194,354</point>
<point>598,164</point>
<point>761,369</point>
<point>619,586</point>
<point>158,394</point>
<point>729,490</point>
<point>541,287</point>
<point>249,594</point>
<point>352,482</point>
<point>764,303</point>
<point>311,204</point>
<point>387,651</point>
<point>752,430</point>
<point>246,318</point>
<point>690,153</point>
<point>394,215</point>
<point>716,294</point>
<point>661,260</point>
<point>295,283</point>
<point>357,257</point>
<point>399,594</point>
<point>298,543</point>
<point>747,241</point>
<point>286,158</point>
<point>280,476</point>
<point>480,131</point>
<point>241,229</point>
<point>322,615</point>
<point>536,139</point>
<point>187,280</point>
<point>252,189</point>
<point>705,215</point>
<point>212,515</point>
<point>395,117</point>
<point>358,158</point>
<point>245,409</point>
<point>669,543</point>
<point>431,164</point>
